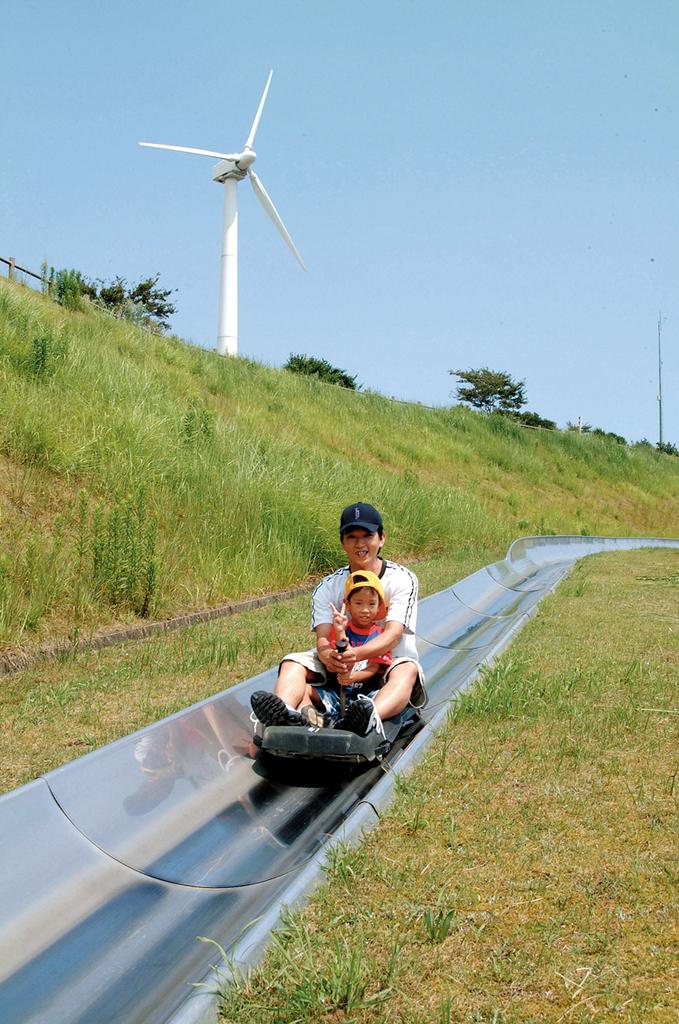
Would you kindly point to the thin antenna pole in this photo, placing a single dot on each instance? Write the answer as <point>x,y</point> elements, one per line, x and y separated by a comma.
<point>659,379</point>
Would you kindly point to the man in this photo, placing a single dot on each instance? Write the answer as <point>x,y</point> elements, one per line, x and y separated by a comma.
<point>301,675</point>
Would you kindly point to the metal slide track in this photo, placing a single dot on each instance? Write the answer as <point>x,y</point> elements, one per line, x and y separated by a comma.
<point>111,866</point>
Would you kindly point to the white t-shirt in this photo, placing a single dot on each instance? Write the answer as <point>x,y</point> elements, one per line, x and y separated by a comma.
<point>400,592</point>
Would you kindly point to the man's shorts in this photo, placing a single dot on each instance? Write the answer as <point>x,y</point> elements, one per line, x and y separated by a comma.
<point>311,661</point>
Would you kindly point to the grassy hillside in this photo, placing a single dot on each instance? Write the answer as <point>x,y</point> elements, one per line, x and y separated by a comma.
<point>140,476</point>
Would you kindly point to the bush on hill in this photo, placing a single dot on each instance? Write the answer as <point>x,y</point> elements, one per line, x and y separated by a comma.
<point>67,288</point>
<point>610,435</point>
<point>533,419</point>
<point>145,303</point>
<point>587,428</point>
<point>579,428</point>
<point>311,366</point>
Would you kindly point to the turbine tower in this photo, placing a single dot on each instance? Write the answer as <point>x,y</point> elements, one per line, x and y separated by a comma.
<point>230,170</point>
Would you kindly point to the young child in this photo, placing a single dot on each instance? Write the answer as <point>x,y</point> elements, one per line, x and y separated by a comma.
<point>364,601</point>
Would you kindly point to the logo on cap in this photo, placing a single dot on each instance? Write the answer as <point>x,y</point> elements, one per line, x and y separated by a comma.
<point>360,515</point>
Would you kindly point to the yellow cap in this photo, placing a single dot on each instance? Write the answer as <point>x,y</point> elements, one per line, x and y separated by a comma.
<point>362,578</point>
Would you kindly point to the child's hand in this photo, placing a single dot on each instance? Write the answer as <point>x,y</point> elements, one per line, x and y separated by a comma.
<point>339,620</point>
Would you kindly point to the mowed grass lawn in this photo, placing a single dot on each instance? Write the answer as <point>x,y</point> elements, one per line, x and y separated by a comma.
<point>528,869</point>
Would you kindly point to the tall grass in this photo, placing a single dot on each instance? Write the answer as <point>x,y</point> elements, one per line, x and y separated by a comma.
<point>243,469</point>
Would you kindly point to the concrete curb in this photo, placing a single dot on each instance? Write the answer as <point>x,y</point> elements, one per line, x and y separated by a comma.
<point>15,660</point>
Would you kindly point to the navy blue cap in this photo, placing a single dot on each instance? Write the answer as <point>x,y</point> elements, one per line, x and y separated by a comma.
<point>360,516</point>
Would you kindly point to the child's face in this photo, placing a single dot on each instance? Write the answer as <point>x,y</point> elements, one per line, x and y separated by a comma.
<point>364,605</point>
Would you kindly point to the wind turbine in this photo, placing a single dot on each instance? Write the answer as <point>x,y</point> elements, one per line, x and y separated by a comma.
<point>230,170</point>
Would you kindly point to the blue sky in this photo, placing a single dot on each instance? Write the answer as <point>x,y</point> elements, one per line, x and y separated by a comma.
<point>473,183</point>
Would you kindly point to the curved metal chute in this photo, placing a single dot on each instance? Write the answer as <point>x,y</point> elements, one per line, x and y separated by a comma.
<point>112,865</point>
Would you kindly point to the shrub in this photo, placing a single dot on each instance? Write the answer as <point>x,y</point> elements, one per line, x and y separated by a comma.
<point>587,428</point>
<point>609,435</point>
<point>579,428</point>
<point>197,424</point>
<point>144,304</point>
<point>533,419</point>
<point>39,357</point>
<point>311,366</point>
<point>67,288</point>
<point>122,561</point>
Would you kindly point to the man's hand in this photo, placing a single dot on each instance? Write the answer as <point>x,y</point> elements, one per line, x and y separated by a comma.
<point>339,663</point>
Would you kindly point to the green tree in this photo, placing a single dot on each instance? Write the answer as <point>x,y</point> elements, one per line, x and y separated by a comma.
<point>112,295</point>
<point>153,301</point>
<point>489,390</point>
<point>145,304</point>
<point>311,366</point>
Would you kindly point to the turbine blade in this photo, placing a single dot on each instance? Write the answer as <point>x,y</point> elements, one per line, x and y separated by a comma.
<point>263,197</point>
<point>260,108</point>
<point>189,149</point>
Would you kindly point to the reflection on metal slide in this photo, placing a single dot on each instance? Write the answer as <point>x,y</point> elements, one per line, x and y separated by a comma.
<point>112,865</point>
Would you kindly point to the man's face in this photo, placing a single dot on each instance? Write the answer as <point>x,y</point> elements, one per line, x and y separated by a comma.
<point>362,549</point>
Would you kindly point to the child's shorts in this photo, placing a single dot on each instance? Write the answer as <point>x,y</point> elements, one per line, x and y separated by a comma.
<point>331,697</point>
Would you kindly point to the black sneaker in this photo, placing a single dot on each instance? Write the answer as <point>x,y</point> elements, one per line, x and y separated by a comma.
<point>271,710</point>
<point>358,718</point>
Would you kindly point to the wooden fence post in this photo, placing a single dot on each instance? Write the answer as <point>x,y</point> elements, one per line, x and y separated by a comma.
<point>10,272</point>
